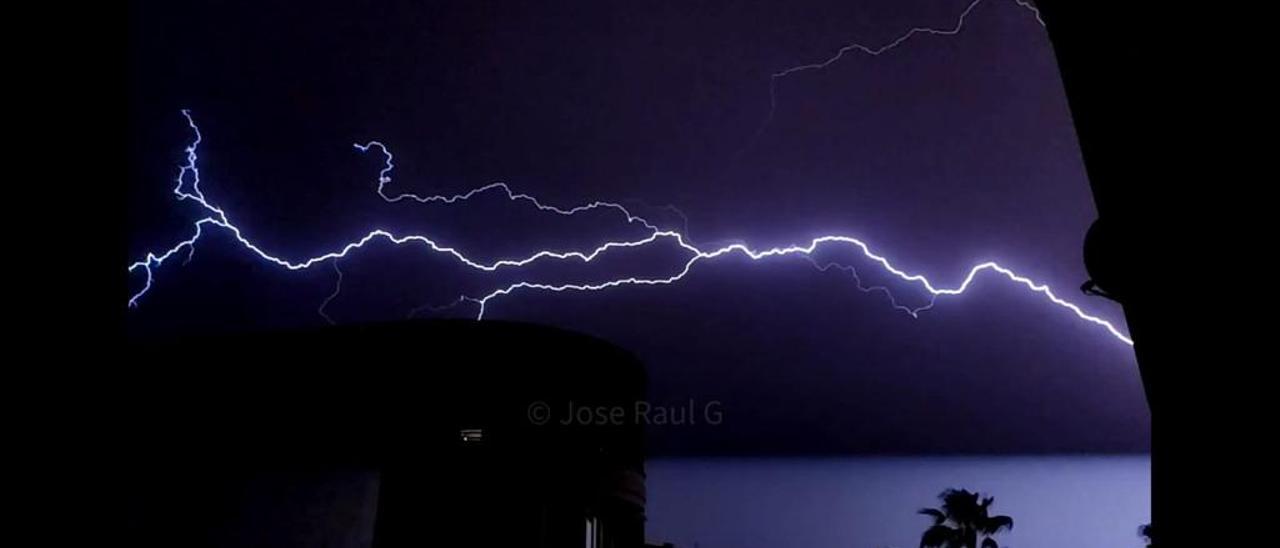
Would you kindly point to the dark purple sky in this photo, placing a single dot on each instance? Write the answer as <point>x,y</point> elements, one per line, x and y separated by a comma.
<point>943,153</point>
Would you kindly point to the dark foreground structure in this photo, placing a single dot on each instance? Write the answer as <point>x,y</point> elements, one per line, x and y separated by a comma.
<point>396,435</point>
<point>1154,111</point>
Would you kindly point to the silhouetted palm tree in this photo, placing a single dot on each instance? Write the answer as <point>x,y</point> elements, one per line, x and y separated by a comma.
<point>962,521</point>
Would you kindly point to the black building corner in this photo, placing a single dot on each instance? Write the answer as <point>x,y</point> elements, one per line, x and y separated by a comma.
<point>395,435</point>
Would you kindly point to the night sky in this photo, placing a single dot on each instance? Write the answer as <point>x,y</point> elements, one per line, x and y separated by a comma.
<point>943,153</point>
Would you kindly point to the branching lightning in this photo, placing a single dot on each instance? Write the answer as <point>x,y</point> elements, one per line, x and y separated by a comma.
<point>337,288</point>
<point>1031,8</point>
<point>874,51</point>
<point>187,188</point>
<point>384,177</point>
<point>695,254</point>
<point>857,280</point>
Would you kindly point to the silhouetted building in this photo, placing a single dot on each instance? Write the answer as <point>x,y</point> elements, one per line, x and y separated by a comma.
<point>396,435</point>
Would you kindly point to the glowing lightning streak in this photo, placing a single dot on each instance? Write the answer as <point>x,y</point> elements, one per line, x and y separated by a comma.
<point>220,220</point>
<point>872,51</point>
<point>1032,8</point>
<point>893,301</point>
<point>337,288</point>
<point>808,250</point>
<point>384,177</point>
<point>698,254</point>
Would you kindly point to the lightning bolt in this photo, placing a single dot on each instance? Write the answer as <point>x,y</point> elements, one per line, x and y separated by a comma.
<point>187,188</point>
<point>873,51</point>
<point>857,280</point>
<point>384,177</point>
<point>757,255</point>
<point>1031,8</point>
<point>189,177</point>
<point>337,288</point>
